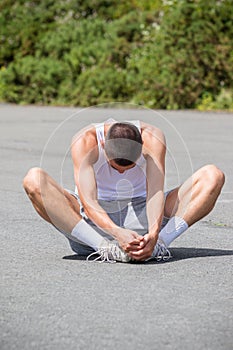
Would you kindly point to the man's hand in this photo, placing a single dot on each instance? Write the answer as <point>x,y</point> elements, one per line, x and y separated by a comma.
<point>129,240</point>
<point>146,247</point>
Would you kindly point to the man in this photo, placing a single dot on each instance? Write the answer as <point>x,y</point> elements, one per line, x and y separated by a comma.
<point>119,210</point>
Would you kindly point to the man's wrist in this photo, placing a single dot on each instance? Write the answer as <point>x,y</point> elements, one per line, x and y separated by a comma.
<point>114,231</point>
<point>153,234</point>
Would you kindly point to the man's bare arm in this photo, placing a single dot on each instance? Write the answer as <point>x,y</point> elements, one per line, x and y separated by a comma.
<point>154,149</point>
<point>84,152</point>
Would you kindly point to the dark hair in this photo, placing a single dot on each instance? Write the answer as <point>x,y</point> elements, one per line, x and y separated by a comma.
<point>123,143</point>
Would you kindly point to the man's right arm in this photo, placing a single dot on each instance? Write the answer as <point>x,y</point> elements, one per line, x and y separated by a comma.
<point>84,152</point>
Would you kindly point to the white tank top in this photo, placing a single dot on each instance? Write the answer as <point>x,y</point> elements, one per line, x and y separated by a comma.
<point>111,185</point>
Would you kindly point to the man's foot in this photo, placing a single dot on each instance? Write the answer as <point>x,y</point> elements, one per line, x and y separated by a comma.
<point>161,252</point>
<point>110,252</point>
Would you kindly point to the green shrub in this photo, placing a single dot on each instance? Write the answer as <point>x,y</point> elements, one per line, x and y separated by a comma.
<point>100,85</point>
<point>162,54</point>
<point>223,101</point>
<point>188,54</point>
<point>29,80</point>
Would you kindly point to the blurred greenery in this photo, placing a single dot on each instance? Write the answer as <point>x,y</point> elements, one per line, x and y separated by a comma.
<point>159,53</point>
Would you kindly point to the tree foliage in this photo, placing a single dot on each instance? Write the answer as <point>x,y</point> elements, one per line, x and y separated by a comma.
<point>163,54</point>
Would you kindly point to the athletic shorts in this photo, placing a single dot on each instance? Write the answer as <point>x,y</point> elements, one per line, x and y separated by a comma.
<point>127,213</point>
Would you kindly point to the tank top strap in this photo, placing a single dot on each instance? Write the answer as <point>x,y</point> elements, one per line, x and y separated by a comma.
<point>100,131</point>
<point>100,134</point>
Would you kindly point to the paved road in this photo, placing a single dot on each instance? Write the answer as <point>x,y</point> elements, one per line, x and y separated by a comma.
<point>52,300</point>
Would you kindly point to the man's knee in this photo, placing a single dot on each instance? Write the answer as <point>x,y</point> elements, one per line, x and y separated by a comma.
<point>213,178</point>
<point>32,180</point>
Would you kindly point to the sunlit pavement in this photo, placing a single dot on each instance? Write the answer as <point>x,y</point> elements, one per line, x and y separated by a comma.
<point>50,299</point>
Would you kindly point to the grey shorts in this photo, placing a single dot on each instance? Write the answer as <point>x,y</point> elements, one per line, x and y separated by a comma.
<point>128,213</point>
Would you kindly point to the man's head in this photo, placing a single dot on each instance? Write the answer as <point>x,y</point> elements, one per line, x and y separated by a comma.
<point>123,144</point>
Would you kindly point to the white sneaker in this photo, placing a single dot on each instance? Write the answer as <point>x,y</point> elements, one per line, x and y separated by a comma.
<point>161,252</point>
<point>110,252</point>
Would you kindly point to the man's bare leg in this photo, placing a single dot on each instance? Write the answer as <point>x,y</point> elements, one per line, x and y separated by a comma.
<point>59,208</point>
<point>51,201</point>
<point>191,201</point>
<point>197,196</point>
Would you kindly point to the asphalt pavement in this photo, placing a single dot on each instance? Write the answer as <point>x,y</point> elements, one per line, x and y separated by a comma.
<point>52,299</point>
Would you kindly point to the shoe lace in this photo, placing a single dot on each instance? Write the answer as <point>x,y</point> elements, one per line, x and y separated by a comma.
<point>106,254</point>
<point>162,254</point>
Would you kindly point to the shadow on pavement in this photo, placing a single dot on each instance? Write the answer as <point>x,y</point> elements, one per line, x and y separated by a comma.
<point>177,254</point>
<point>190,253</point>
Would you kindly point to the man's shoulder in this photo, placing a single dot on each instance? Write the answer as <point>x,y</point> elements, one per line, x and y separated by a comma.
<point>84,146</point>
<point>154,143</point>
<point>85,137</point>
<point>151,132</point>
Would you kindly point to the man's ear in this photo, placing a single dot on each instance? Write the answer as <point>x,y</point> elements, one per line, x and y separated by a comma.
<point>102,143</point>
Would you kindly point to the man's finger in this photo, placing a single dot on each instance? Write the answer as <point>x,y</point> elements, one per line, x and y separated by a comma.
<point>142,244</point>
<point>135,241</point>
<point>140,254</point>
<point>133,247</point>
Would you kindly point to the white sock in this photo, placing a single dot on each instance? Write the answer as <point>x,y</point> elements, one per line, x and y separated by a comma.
<point>86,234</point>
<point>174,228</point>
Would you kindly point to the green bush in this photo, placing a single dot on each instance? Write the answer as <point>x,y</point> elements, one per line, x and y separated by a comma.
<point>99,85</point>
<point>162,54</point>
<point>188,54</point>
<point>223,101</point>
<point>32,81</point>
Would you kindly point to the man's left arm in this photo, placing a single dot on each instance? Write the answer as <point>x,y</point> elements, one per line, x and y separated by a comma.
<point>154,149</point>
